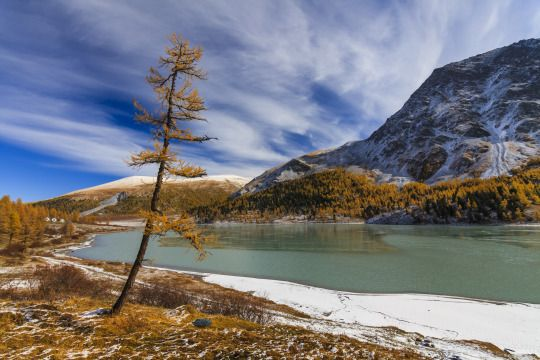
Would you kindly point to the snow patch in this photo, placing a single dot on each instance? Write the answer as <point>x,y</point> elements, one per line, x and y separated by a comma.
<point>95,313</point>
<point>16,284</point>
<point>507,325</point>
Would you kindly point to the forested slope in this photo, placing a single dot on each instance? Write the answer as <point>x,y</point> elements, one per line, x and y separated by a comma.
<point>337,195</point>
<point>174,198</point>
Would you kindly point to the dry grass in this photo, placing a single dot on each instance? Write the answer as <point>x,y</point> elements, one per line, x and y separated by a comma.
<point>167,296</point>
<point>157,319</point>
<point>186,285</point>
<point>31,330</point>
<point>46,317</point>
<point>51,283</point>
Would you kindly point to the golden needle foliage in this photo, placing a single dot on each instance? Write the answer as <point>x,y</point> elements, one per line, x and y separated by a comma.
<point>179,102</point>
<point>25,224</point>
<point>337,194</point>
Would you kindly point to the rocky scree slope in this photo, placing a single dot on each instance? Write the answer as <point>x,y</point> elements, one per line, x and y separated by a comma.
<point>479,117</point>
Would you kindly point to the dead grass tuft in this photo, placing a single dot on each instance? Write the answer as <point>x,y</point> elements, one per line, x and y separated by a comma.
<point>59,329</point>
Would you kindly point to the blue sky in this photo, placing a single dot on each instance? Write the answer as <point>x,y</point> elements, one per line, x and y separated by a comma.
<point>284,77</point>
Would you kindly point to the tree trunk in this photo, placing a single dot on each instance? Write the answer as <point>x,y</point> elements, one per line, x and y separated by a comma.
<point>117,307</point>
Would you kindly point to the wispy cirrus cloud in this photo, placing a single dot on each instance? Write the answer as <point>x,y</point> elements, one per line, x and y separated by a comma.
<point>82,137</point>
<point>284,77</point>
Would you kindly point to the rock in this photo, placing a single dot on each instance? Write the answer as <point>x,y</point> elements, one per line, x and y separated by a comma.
<point>96,313</point>
<point>398,217</point>
<point>202,323</point>
<point>121,196</point>
<point>410,216</point>
<point>425,166</point>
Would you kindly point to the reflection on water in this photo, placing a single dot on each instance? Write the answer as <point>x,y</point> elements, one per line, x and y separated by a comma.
<point>489,262</point>
<point>292,237</point>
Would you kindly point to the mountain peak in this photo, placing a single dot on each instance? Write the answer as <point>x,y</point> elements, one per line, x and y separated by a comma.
<point>531,43</point>
<point>478,117</point>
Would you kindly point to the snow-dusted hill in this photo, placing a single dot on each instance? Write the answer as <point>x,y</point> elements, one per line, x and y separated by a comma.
<point>137,181</point>
<point>475,117</point>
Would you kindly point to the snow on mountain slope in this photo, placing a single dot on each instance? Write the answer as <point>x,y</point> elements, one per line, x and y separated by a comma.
<point>475,117</point>
<point>136,181</point>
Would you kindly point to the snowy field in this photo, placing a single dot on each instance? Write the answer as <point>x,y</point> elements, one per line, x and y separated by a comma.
<point>508,325</point>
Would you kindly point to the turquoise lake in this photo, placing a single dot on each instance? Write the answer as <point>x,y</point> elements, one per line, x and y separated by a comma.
<point>485,262</point>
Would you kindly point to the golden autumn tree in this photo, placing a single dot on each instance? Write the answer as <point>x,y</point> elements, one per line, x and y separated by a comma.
<point>179,103</point>
<point>15,225</point>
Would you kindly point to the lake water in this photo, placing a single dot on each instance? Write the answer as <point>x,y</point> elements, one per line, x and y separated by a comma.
<point>485,262</point>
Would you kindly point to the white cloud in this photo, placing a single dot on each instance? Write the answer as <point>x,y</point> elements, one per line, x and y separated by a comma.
<point>80,135</point>
<point>263,58</point>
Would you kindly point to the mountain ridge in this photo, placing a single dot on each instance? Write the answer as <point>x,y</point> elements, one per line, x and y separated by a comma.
<point>478,117</point>
<point>136,181</point>
<point>130,195</point>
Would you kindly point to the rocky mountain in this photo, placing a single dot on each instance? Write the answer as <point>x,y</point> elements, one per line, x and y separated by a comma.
<point>479,117</point>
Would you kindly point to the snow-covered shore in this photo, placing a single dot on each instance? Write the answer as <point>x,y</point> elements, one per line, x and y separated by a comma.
<point>508,325</point>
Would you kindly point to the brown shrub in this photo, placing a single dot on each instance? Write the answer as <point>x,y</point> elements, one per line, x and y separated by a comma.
<point>36,244</point>
<point>54,282</point>
<point>57,240</point>
<point>210,303</point>
<point>16,249</point>
<point>161,296</point>
<point>58,281</point>
<point>236,305</point>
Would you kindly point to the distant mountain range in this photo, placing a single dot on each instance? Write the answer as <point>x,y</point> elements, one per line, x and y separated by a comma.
<point>479,117</point>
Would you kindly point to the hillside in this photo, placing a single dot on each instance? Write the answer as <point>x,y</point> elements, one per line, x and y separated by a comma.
<point>479,117</point>
<point>338,195</point>
<point>177,194</point>
<point>134,183</point>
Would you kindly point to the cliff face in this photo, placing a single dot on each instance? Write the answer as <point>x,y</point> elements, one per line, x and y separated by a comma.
<point>476,117</point>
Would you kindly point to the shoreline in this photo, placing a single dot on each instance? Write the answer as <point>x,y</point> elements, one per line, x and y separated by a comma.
<point>445,317</point>
<point>439,316</point>
<point>138,223</point>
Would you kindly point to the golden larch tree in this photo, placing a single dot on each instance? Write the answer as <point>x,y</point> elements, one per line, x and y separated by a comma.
<point>179,103</point>
<point>14,225</point>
